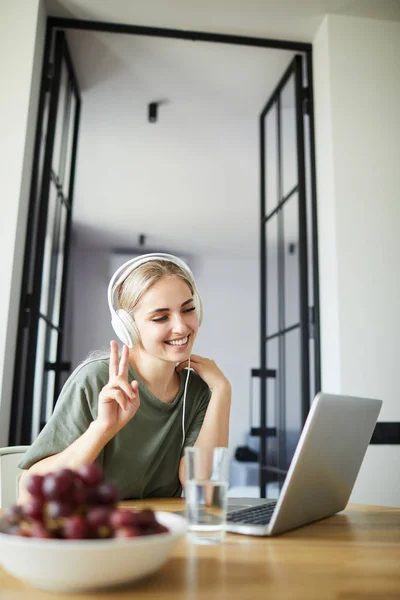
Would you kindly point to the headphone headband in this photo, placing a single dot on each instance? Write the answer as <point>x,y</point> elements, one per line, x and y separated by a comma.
<point>120,317</point>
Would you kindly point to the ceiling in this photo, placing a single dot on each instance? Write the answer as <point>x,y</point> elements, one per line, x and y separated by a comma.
<point>190,181</point>
<point>283,19</point>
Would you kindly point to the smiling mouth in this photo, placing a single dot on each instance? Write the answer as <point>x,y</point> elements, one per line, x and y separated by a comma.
<point>180,342</point>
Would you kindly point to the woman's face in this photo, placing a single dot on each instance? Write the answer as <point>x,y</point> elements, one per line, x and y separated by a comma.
<point>167,320</point>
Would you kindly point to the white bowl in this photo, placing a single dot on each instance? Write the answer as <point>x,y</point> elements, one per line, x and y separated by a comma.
<point>82,565</point>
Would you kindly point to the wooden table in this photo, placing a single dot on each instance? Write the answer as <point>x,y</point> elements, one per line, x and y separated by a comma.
<point>354,555</point>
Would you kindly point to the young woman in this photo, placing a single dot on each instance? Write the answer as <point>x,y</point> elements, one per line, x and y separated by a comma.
<point>135,414</point>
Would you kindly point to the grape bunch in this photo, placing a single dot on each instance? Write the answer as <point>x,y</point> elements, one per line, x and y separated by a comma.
<point>76,505</point>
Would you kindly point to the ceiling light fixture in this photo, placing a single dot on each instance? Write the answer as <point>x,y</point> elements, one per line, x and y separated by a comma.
<point>153,109</point>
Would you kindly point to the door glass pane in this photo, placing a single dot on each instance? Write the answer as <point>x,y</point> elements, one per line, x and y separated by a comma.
<point>272,407</point>
<point>48,250</point>
<point>271,160</point>
<point>290,211</point>
<point>272,384</point>
<point>70,140</point>
<point>38,191</point>
<point>65,132</point>
<point>38,378</point>
<point>271,234</point>
<point>58,257</point>
<point>255,400</point>
<point>50,379</point>
<point>311,347</point>
<point>66,350</point>
<point>58,136</point>
<point>307,161</point>
<point>293,415</point>
<point>288,133</point>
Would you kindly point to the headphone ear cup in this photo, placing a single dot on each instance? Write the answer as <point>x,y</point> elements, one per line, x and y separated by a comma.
<point>125,328</point>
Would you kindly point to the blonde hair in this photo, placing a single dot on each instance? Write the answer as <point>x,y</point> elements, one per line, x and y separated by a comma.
<point>143,277</point>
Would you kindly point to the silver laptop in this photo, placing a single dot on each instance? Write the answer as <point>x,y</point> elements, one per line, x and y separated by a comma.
<point>322,473</point>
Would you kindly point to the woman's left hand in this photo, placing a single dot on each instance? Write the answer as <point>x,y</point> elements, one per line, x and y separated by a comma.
<point>207,369</point>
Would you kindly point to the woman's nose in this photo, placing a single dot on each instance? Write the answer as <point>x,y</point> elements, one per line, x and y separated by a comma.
<point>178,323</point>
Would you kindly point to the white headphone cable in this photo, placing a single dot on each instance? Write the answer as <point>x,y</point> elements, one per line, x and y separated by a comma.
<point>184,402</point>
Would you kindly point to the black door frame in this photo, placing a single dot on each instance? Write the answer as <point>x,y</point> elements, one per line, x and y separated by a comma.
<point>277,463</point>
<point>56,55</point>
<point>54,23</point>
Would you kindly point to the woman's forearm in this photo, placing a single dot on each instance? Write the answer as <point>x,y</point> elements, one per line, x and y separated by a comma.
<point>215,429</point>
<point>84,450</point>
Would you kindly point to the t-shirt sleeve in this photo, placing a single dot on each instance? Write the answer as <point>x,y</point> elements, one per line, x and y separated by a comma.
<point>193,430</point>
<point>72,416</point>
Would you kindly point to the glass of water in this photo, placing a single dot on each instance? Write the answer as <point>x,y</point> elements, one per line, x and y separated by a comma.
<point>205,492</point>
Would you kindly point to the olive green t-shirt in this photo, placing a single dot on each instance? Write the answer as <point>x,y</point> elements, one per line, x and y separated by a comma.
<point>143,458</point>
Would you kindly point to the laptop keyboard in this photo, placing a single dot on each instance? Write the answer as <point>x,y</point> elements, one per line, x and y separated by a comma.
<point>253,515</point>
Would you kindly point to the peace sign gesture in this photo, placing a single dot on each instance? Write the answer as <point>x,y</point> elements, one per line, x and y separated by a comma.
<point>119,399</point>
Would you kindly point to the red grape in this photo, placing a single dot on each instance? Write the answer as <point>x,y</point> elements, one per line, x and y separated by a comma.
<point>107,493</point>
<point>127,532</point>
<point>34,509</point>
<point>121,517</point>
<point>83,496</point>
<point>158,528</point>
<point>75,528</point>
<point>38,530</point>
<point>145,518</point>
<point>57,508</point>
<point>91,475</point>
<point>34,485</point>
<point>13,514</point>
<point>98,516</point>
<point>58,485</point>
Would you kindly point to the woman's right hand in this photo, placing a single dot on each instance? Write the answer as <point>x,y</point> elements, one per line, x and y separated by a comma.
<point>118,400</point>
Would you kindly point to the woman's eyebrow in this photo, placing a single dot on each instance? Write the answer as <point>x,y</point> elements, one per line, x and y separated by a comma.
<point>187,302</point>
<point>158,310</point>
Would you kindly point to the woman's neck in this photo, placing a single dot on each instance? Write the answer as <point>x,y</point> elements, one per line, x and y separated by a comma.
<point>157,375</point>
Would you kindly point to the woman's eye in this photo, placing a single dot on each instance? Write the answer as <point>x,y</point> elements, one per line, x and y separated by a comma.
<point>165,317</point>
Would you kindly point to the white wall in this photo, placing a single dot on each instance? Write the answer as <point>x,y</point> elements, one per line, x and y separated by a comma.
<point>229,333</point>
<point>22,29</point>
<point>357,91</point>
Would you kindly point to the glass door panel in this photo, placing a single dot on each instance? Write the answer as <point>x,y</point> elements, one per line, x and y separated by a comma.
<point>272,402</point>
<point>272,307</point>
<point>59,265</point>
<point>39,378</point>
<point>70,140</point>
<point>291,266</point>
<point>271,160</point>
<point>288,137</point>
<point>293,414</point>
<point>46,290</point>
<point>60,125</point>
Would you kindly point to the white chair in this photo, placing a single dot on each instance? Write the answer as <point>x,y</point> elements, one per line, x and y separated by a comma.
<point>10,474</point>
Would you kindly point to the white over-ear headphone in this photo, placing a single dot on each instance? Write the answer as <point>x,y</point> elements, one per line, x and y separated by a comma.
<point>122,322</point>
<point>124,325</point>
